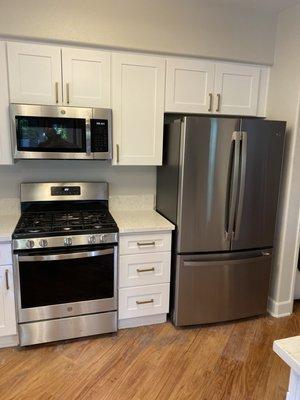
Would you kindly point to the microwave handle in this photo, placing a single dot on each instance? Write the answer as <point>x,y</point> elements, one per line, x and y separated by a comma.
<point>88,136</point>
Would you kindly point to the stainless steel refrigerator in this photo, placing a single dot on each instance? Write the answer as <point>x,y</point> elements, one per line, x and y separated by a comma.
<point>219,184</point>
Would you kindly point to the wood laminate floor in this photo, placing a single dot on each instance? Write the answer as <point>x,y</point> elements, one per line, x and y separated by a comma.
<point>228,361</point>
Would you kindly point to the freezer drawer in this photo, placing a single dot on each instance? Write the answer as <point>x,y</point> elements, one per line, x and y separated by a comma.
<point>222,287</point>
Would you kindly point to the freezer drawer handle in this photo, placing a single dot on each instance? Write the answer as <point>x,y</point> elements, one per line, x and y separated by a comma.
<point>144,301</point>
<point>145,270</point>
<point>224,262</point>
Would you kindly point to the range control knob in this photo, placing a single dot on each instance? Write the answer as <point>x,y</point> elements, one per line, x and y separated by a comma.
<point>68,241</point>
<point>30,244</point>
<point>103,238</point>
<point>92,239</point>
<point>43,243</point>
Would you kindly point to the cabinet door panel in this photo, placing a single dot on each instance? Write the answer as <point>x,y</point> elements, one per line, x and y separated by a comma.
<point>7,302</point>
<point>138,109</point>
<point>237,86</point>
<point>5,143</point>
<point>189,85</point>
<point>86,77</point>
<point>34,73</point>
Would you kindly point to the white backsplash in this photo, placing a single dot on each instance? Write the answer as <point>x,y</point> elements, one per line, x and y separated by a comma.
<point>10,206</point>
<point>132,202</point>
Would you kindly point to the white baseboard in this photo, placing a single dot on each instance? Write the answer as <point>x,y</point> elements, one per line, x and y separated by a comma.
<point>141,321</point>
<point>9,341</point>
<point>280,309</point>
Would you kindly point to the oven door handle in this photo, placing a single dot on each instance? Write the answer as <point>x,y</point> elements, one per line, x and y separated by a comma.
<point>66,256</point>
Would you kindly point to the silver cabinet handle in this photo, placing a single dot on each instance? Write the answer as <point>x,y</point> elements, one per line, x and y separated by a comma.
<point>145,270</point>
<point>145,301</point>
<point>210,102</point>
<point>7,279</point>
<point>145,244</point>
<point>56,92</point>
<point>266,253</point>
<point>218,102</point>
<point>68,92</point>
<point>118,153</point>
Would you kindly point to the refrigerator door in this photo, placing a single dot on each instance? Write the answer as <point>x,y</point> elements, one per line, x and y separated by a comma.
<point>260,170</point>
<point>214,288</point>
<point>209,152</point>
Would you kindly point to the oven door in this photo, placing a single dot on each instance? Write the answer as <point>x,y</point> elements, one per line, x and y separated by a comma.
<point>51,132</point>
<point>56,284</point>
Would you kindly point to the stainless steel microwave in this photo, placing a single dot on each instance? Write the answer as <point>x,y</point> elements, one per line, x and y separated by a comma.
<point>57,132</point>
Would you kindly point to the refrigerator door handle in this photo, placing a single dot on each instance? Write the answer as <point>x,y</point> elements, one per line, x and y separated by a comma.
<point>241,190</point>
<point>233,182</point>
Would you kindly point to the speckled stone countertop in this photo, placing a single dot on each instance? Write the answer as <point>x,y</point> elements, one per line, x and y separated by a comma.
<point>130,221</point>
<point>289,351</point>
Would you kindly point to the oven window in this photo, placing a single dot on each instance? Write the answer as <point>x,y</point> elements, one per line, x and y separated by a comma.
<point>50,134</point>
<point>44,283</point>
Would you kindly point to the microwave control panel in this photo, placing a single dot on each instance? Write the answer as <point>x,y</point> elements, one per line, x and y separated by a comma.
<point>99,135</point>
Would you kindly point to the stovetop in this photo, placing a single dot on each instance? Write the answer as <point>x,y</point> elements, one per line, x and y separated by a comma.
<point>36,224</point>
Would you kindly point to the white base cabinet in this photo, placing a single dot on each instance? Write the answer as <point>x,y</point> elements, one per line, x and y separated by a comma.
<point>8,325</point>
<point>144,278</point>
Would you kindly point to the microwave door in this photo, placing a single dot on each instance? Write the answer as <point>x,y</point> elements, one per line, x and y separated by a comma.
<point>51,132</point>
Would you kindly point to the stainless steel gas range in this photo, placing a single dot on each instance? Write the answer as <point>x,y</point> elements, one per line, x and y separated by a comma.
<point>65,262</point>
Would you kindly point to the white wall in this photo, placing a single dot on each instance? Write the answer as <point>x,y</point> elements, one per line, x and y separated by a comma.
<point>176,26</point>
<point>283,104</point>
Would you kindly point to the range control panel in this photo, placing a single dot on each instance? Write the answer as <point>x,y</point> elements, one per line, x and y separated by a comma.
<point>99,135</point>
<point>65,191</point>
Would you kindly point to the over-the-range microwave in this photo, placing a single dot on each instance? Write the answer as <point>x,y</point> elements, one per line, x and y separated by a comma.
<point>57,132</point>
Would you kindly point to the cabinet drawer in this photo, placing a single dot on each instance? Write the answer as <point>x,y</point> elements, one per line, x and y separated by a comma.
<point>145,243</point>
<point>5,254</point>
<point>144,300</point>
<point>144,269</point>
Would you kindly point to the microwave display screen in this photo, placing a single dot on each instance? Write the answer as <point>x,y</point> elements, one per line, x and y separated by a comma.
<point>47,134</point>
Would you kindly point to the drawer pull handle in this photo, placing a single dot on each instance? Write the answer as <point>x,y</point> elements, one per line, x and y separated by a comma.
<point>145,270</point>
<point>146,244</point>
<point>145,301</point>
<point>6,279</point>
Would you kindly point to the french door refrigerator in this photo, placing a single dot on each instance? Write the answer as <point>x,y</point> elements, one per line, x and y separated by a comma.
<point>219,184</point>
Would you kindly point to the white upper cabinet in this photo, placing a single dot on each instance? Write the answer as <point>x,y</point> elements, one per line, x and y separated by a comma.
<point>236,89</point>
<point>34,73</point>
<point>138,83</point>
<point>5,143</point>
<point>189,86</point>
<point>207,87</point>
<point>86,77</point>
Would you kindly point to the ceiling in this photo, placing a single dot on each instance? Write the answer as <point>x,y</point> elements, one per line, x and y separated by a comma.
<point>269,5</point>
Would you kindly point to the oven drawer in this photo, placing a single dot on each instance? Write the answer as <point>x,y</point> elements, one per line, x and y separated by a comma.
<point>145,243</point>
<point>144,269</point>
<point>143,300</point>
<point>5,254</point>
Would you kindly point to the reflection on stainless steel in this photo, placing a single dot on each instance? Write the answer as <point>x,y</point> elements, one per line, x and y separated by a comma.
<point>67,328</point>
<point>219,184</point>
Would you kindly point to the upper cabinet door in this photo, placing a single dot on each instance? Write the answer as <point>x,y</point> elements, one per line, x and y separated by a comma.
<point>189,86</point>
<point>86,77</point>
<point>5,143</point>
<point>34,73</point>
<point>138,108</point>
<point>236,89</point>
